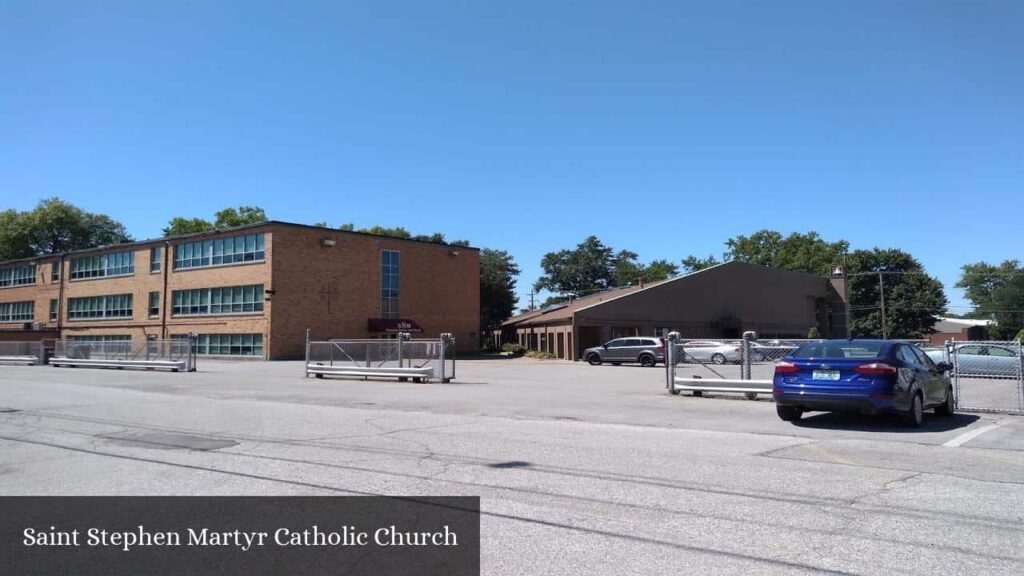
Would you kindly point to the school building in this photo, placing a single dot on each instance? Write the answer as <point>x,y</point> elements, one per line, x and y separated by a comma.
<point>247,291</point>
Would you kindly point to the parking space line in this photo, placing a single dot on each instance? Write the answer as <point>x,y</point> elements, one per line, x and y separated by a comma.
<point>969,435</point>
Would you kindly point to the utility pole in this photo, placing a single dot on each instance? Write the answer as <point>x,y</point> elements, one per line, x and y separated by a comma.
<point>531,300</point>
<point>881,292</point>
<point>846,297</point>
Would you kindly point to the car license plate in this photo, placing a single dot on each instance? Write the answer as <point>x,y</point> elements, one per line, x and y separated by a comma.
<point>826,375</point>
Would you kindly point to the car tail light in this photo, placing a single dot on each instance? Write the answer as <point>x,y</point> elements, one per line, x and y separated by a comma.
<point>875,369</point>
<point>661,347</point>
<point>783,367</point>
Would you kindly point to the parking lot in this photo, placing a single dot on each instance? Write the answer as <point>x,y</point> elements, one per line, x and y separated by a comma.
<point>580,469</point>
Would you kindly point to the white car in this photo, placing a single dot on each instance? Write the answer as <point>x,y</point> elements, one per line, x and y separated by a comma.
<point>705,351</point>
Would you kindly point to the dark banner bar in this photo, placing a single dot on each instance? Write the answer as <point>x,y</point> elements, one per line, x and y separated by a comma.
<point>239,535</point>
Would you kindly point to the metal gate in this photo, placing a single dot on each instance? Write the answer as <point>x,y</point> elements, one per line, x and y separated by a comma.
<point>988,375</point>
<point>403,357</point>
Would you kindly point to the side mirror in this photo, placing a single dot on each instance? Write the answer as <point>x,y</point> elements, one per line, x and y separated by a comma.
<point>944,366</point>
<point>605,346</point>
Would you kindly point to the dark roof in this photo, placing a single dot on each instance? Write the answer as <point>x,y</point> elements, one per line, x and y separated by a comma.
<point>136,243</point>
<point>561,312</point>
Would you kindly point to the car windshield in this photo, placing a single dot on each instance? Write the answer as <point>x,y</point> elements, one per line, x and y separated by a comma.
<point>839,349</point>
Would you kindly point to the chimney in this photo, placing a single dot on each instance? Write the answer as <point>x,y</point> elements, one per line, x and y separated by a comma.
<point>640,283</point>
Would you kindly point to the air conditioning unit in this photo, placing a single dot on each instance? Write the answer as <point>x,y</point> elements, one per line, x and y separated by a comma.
<point>38,325</point>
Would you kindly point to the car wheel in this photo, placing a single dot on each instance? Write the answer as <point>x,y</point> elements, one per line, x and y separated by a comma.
<point>949,405</point>
<point>915,416</point>
<point>718,359</point>
<point>789,413</point>
<point>751,395</point>
<point>594,360</point>
<point>647,360</point>
<point>698,393</point>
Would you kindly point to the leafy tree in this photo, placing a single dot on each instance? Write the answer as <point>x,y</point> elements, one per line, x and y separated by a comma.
<point>997,293</point>
<point>241,216</point>
<point>378,230</point>
<point>226,218</point>
<point>179,226</point>
<point>322,224</point>
<point>626,270</point>
<point>913,299</point>
<point>55,226</point>
<point>1020,335</point>
<point>814,332</point>
<point>347,227</point>
<point>498,273</point>
<point>694,263</point>
<point>806,252</point>
<point>587,268</point>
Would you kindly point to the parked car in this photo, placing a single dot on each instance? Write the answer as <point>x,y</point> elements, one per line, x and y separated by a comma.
<point>647,351</point>
<point>862,376</point>
<point>981,360</point>
<point>704,351</point>
<point>760,352</point>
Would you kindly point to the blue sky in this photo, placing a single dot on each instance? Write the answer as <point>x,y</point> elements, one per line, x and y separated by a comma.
<point>661,127</point>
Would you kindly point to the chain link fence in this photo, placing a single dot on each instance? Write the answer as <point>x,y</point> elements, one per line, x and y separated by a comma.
<point>404,358</point>
<point>737,366</point>
<point>988,376</point>
<point>23,352</point>
<point>176,354</point>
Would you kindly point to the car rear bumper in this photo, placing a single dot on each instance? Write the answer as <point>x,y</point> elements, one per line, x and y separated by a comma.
<point>847,399</point>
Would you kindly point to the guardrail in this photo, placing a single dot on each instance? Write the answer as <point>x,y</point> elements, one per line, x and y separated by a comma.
<point>176,355</point>
<point>23,353</point>
<point>404,358</point>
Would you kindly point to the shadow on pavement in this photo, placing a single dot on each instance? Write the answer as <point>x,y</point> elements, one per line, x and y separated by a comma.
<point>883,422</point>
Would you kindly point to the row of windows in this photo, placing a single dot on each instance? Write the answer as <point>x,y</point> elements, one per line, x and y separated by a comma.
<point>219,251</point>
<point>229,300</point>
<point>101,338</point>
<point>227,344</point>
<point>17,311</point>
<point>389,284</point>
<point>18,275</point>
<point>116,264</point>
<point>100,307</point>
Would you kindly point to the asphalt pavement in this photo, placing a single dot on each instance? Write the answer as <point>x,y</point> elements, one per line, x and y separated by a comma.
<point>580,469</point>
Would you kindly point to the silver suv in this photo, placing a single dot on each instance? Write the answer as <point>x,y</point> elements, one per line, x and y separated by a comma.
<point>647,351</point>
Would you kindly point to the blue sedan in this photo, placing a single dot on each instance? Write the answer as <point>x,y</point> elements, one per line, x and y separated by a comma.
<point>867,376</point>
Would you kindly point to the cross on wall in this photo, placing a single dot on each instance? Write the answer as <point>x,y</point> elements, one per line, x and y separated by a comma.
<point>329,290</point>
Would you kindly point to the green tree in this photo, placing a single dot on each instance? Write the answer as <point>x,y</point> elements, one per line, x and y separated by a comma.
<point>378,230</point>
<point>55,226</point>
<point>802,252</point>
<point>627,270</point>
<point>498,274</point>
<point>587,268</point>
<point>241,216</point>
<point>913,299</point>
<point>179,226</point>
<point>997,293</point>
<point>695,263</point>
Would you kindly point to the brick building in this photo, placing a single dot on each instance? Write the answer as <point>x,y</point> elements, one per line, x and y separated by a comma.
<point>720,302</point>
<point>248,291</point>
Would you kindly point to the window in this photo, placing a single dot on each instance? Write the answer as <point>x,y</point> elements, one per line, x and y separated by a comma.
<point>18,275</point>
<point>154,258</point>
<point>100,307</point>
<point>55,272</point>
<point>389,283</point>
<point>221,251</point>
<point>154,304</point>
<point>227,344</point>
<point>905,354</point>
<point>101,338</point>
<point>1001,352</point>
<point>116,264</point>
<point>228,300</point>
<point>53,310</point>
<point>17,311</point>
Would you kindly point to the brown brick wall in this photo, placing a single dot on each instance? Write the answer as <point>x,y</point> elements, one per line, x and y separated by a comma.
<point>336,290</point>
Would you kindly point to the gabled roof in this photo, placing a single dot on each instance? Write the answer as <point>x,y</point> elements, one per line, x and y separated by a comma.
<point>566,310</point>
